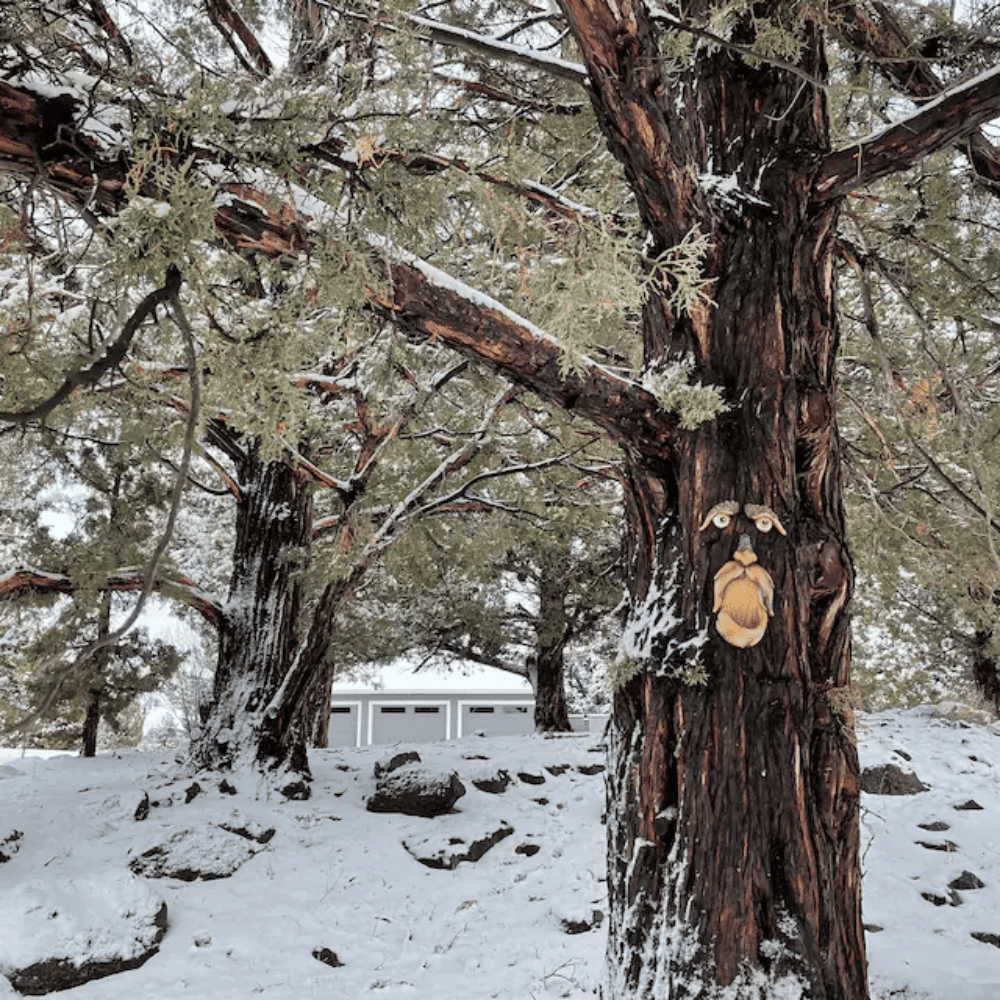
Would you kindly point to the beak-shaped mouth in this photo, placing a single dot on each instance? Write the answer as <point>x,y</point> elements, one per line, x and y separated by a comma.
<point>744,553</point>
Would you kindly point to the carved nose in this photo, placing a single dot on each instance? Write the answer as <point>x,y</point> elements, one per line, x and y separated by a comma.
<point>744,553</point>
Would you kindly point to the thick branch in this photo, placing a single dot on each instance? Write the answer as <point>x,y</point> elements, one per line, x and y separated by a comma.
<point>24,581</point>
<point>425,300</point>
<point>228,21</point>
<point>954,115</point>
<point>892,51</point>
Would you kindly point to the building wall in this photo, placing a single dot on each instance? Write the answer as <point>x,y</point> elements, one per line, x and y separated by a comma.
<point>364,717</point>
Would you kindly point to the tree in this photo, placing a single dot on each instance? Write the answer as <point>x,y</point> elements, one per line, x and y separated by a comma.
<point>519,591</point>
<point>733,841</point>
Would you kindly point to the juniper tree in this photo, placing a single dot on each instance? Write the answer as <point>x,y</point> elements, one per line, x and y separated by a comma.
<point>733,843</point>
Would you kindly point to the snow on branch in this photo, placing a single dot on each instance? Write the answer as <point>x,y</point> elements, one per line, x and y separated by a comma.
<point>428,301</point>
<point>446,34</point>
<point>953,115</point>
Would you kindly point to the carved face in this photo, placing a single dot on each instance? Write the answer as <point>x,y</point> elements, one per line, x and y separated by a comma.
<point>744,590</point>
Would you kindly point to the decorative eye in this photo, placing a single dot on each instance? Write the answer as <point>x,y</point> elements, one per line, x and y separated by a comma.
<point>763,517</point>
<point>721,514</point>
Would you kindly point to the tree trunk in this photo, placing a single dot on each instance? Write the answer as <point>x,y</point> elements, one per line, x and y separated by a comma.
<point>984,669</point>
<point>90,723</point>
<point>553,631</point>
<point>733,788</point>
<point>250,719</point>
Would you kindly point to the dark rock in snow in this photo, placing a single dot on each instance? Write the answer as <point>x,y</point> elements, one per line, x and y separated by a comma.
<point>297,791</point>
<point>455,844</point>
<point>967,880</point>
<point>327,957</point>
<point>389,764</point>
<point>947,845</point>
<point>583,923</point>
<point>58,935</point>
<point>936,827</point>
<point>141,810</point>
<point>557,769</point>
<point>226,788</point>
<point>10,844</point>
<point>495,783</point>
<point>993,939</point>
<point>191,791</point>
<point>530,778</point>
<point>416,791</point>
<point>971,804</point>
<point>873,928</point>
<point>190,855</point>
<point>590,768</point>
<point>937,900</point>
<point>528,850</point>
<point>250,830</point>
<point>889,779</point>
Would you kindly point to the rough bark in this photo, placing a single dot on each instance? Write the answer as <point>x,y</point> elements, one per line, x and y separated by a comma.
<point>733,789</point>
<point>250,718</point>
<point>91,722</point>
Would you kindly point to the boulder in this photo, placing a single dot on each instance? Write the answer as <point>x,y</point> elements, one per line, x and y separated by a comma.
<point>416,791</point>
<point>890,779</point>
<point>454,843</point>
<point>190,855</point>
<point>531,777</point>
<point>388,764</point>
<point>55,935</point>
<point>495,782</point>
<point>967,880</point>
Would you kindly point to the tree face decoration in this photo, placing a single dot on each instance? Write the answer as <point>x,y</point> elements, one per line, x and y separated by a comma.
<point>744,590</point>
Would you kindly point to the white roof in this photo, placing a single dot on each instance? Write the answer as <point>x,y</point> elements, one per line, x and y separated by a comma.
<point>399,676</point>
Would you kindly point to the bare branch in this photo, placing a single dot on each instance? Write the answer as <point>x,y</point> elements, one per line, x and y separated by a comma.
<point>229,22</point>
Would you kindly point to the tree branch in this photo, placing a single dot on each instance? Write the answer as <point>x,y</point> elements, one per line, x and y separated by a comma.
<point>111,355</point>
<point>23,581</point>
<point>426,300</point>
<point>954,115</point>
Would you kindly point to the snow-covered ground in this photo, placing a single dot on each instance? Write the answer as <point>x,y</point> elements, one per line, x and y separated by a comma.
<point>334,876</point>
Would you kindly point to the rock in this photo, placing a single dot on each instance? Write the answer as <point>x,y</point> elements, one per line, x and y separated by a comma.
<point>455,843</point>
<point>557,769</point>
<point>873,928</point>
<point>494,782</point>
<point>327,957</point>
<point>889,779</point>
<point>528,850</point>
<point>10,844</point>
<point>590,769</point>
<point>993,939</point>
<point>936,827</point>
<point>296,791</point>
<point>141,810</point>
<point>531,778</point>
<point>249,829</point>
<point>226,788</point>
<point>947,845</point>
<point>580,924</point>
<point>416,791</point>
<point>971,804</point>
<point>937,900</point>
<point>390,764</point>
<point>967,880</point>
<point>190,855</point>
<point>191,791</point>
<point>57,935</point>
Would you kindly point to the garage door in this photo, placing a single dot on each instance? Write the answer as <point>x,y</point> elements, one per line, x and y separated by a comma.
<point>344,725</point>
<point>416,723</point>
<point>497,720</point>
